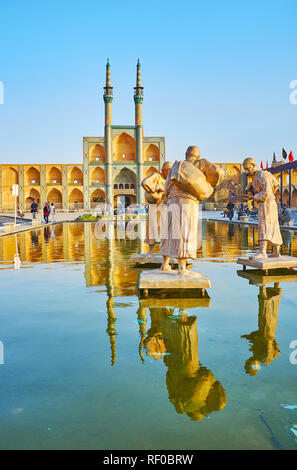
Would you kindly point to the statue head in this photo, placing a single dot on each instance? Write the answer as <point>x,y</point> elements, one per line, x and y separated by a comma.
<point>165,169</point>
<point>250,166</point>
<point>192,153</point>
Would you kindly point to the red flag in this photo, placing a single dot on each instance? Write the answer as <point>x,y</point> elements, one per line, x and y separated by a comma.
<point>262,165</point>
<point>267,164</point>
<point>291,158</point>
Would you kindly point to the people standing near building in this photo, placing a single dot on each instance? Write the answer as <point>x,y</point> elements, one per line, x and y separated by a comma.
<point>286,215</point>
<point>34,209</point>
<point>52,212</point>
<point>230,208</point>
<point>46,212</point>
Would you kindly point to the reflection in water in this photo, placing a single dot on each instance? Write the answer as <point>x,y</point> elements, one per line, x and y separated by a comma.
<point>192,388</point>
<point>263,344</point>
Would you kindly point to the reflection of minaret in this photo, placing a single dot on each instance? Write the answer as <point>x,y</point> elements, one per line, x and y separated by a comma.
<point>263,344</point>
<point>141,317</point>
<point>138,99</point>
<point>108,97</point>
<point>192,388</point>
<point>111,316</point>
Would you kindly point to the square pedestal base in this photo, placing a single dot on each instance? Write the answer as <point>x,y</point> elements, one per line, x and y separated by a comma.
<point>269,263</point>
<point>158,279</point>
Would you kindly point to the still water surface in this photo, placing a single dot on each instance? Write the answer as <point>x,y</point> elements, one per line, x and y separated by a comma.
<point>89,365</point>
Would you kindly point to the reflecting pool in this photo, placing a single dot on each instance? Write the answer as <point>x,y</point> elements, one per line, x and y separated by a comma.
<point>85,363</point>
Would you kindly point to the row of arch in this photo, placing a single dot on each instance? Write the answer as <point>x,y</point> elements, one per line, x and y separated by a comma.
<point>32,176</point>
<point>75,176</point>
<point>75,198</point>
<point>124,149</point>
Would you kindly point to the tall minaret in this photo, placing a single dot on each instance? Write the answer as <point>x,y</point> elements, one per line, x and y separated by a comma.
<point>138,99</point>
<point>108,97</point>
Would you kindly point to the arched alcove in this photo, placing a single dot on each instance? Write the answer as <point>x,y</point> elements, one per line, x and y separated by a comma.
<point>32,176</point>
<point>55,196</point>
<point>151,153</point>
<point>294,198</point>
<point>76,199</point>
<point>125,176</point>
<point>54,176</point>
<point>97,154</point>
<point>97,176</point>
<point>75,176</point>
<point>97,196</point>
<point>124,148</point>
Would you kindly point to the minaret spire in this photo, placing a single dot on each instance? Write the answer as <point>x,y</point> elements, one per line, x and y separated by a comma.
<point>138,99</point>
<point>108,97</point>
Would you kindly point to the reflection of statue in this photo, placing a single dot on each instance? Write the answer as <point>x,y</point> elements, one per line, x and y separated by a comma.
<point>263,188</point>
<point>155,196</point>
<point>263,344</point>
<point>187,183</point>
<point>192,388</point>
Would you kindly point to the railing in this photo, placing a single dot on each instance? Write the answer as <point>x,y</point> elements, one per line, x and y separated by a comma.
<point>100,160</point>
<point>98,183</point>
<point>54,182</point>
<point>75,205</point>
<point>33,183</point>
<point>75,183</point>
<point>123,157</point>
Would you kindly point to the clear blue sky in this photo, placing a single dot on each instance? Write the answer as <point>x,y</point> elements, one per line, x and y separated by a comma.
<point>216,74</point>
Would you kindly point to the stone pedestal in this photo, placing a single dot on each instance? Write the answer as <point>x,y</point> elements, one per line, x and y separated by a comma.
<point>265,264</point>
<point>158,279</point>
<point>154,259</point>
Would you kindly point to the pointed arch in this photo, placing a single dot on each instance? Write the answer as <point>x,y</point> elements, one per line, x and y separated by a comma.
<point>125,176</point>
<point>32,176</point>
<point>97,176</point>
<point>151,153</point>
<point>55,196</point>
<point>97,154</point>
<point>76,199</point>
<point>33,195</point>
<point>75,176</point>
<point>285,196</point>
<point>124,148</point>
<point>97,196</point>
<point>54,176</point>
<point>10,176</point>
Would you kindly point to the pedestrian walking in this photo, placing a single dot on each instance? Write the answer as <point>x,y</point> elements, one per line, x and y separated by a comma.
<point>34,209</point>
<point>52,212</point>
<point>46,212</point>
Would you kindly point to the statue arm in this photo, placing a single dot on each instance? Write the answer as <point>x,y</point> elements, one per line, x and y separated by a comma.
<point>266,189</point>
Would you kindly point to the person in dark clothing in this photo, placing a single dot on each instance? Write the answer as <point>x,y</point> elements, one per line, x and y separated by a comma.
<point>46,211</point>
<point>230,208</point>
<point>34,209</point>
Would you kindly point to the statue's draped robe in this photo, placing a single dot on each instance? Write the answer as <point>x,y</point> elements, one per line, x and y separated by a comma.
<point>155,198</point>
<point>264,185</point>
<point>180,236</point>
